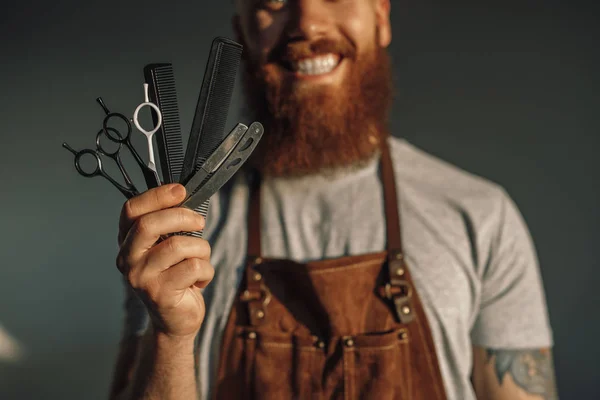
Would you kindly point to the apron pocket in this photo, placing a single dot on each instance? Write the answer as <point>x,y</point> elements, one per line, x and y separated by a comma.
<point>285,366</point>
<point>377,366</point>
<point>281,365</point>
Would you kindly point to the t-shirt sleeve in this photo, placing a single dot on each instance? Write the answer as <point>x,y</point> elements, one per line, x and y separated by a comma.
<point>512,310</point>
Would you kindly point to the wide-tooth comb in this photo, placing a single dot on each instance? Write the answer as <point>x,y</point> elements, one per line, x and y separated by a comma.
<point>208,127</point>
<point>161,81</point>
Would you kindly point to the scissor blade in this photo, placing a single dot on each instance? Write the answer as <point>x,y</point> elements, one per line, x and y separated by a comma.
<point>229,167</point>
<point>151,177</point>
<point>216,158</point>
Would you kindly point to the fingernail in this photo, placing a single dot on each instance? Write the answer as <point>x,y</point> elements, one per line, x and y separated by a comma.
<point>178,191</point>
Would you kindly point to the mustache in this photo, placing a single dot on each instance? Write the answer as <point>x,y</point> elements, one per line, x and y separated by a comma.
<point>297,50</point>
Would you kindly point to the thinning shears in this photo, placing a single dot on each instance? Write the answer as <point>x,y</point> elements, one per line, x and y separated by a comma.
<point>121,139</point>
<point>218,168</point>
<point>127,188</point>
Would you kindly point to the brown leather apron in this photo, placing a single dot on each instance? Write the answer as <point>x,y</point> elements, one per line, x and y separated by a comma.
<point>345,328</point>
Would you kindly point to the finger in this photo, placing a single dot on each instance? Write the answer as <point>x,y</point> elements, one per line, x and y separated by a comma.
<point>147,229</point>
<point>193,271</point>
<point>175,250</point>
<point>155,199</point>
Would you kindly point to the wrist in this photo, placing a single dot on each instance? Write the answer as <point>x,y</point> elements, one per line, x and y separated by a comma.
<point>162,340</point>
<point>166,368</point>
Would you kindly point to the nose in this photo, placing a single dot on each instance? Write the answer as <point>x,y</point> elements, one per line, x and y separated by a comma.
<point>308,20</point>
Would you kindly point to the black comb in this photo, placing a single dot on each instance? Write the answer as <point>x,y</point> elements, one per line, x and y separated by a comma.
<point>208,127</point>
<point>161,88</point>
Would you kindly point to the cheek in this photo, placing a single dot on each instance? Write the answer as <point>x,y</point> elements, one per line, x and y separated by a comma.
<point>265,32</point>
<point>358,24</point>
<point>264,20</point>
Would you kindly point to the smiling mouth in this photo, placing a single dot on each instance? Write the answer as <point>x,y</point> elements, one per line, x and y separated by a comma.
<point>313,66</point>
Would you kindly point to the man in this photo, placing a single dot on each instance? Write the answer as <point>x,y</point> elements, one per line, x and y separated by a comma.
<point>349,264</point>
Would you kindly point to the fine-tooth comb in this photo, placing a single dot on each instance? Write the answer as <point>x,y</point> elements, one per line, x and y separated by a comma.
<point>213,104</point>
<point>161,81</point>
<point>208,127</point>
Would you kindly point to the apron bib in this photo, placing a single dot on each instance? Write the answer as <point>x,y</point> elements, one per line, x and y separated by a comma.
<point>346,328</point>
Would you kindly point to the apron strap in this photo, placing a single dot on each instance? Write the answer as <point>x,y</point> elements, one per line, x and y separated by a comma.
<point>398,288</point>
<point>256,294</point>
<point>390,198</point>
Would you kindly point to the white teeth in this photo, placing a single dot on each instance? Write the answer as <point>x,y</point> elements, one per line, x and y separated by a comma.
<point>316,65</point>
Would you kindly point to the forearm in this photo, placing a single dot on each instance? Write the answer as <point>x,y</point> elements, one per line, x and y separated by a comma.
<point>514,374</point>
<point>164,370</point>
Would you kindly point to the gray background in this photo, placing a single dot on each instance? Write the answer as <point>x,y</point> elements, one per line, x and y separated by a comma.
<point>505,89</point>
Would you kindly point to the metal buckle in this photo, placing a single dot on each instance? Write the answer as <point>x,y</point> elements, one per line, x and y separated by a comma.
<point>406,291</point>
<point>264,295</point>
<point>401,301</point>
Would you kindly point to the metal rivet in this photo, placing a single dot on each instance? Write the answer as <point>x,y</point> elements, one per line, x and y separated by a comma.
<point>321,344</point>
<point>406,310</point>
<point>349,342</point>
<point>260,314</point>
<point>399,256</point>
<point>246,294</point>
<point>403,335</point>
<point>258,260</point>
<point>257,276</point>
<point>252,335</point>
<point>400,271</point>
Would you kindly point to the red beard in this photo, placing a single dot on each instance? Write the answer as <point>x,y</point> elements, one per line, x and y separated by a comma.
<point>317,128</point>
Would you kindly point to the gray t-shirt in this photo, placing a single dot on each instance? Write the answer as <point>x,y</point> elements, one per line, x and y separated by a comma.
<point>466,244</point>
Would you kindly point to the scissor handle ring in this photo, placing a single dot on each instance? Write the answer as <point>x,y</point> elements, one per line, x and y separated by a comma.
<point>102,150</point>
<point>105,128</point>
<point>137,122</point>
<point>97,170</point>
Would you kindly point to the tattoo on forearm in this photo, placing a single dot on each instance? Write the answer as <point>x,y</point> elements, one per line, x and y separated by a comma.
<point>532,370</point>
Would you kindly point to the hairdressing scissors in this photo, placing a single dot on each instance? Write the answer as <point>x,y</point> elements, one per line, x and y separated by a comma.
<point>229,156</point>
<point>128,189</point>
<point>215,171</point>
<point>150,133</point>
<point>150,175</point>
